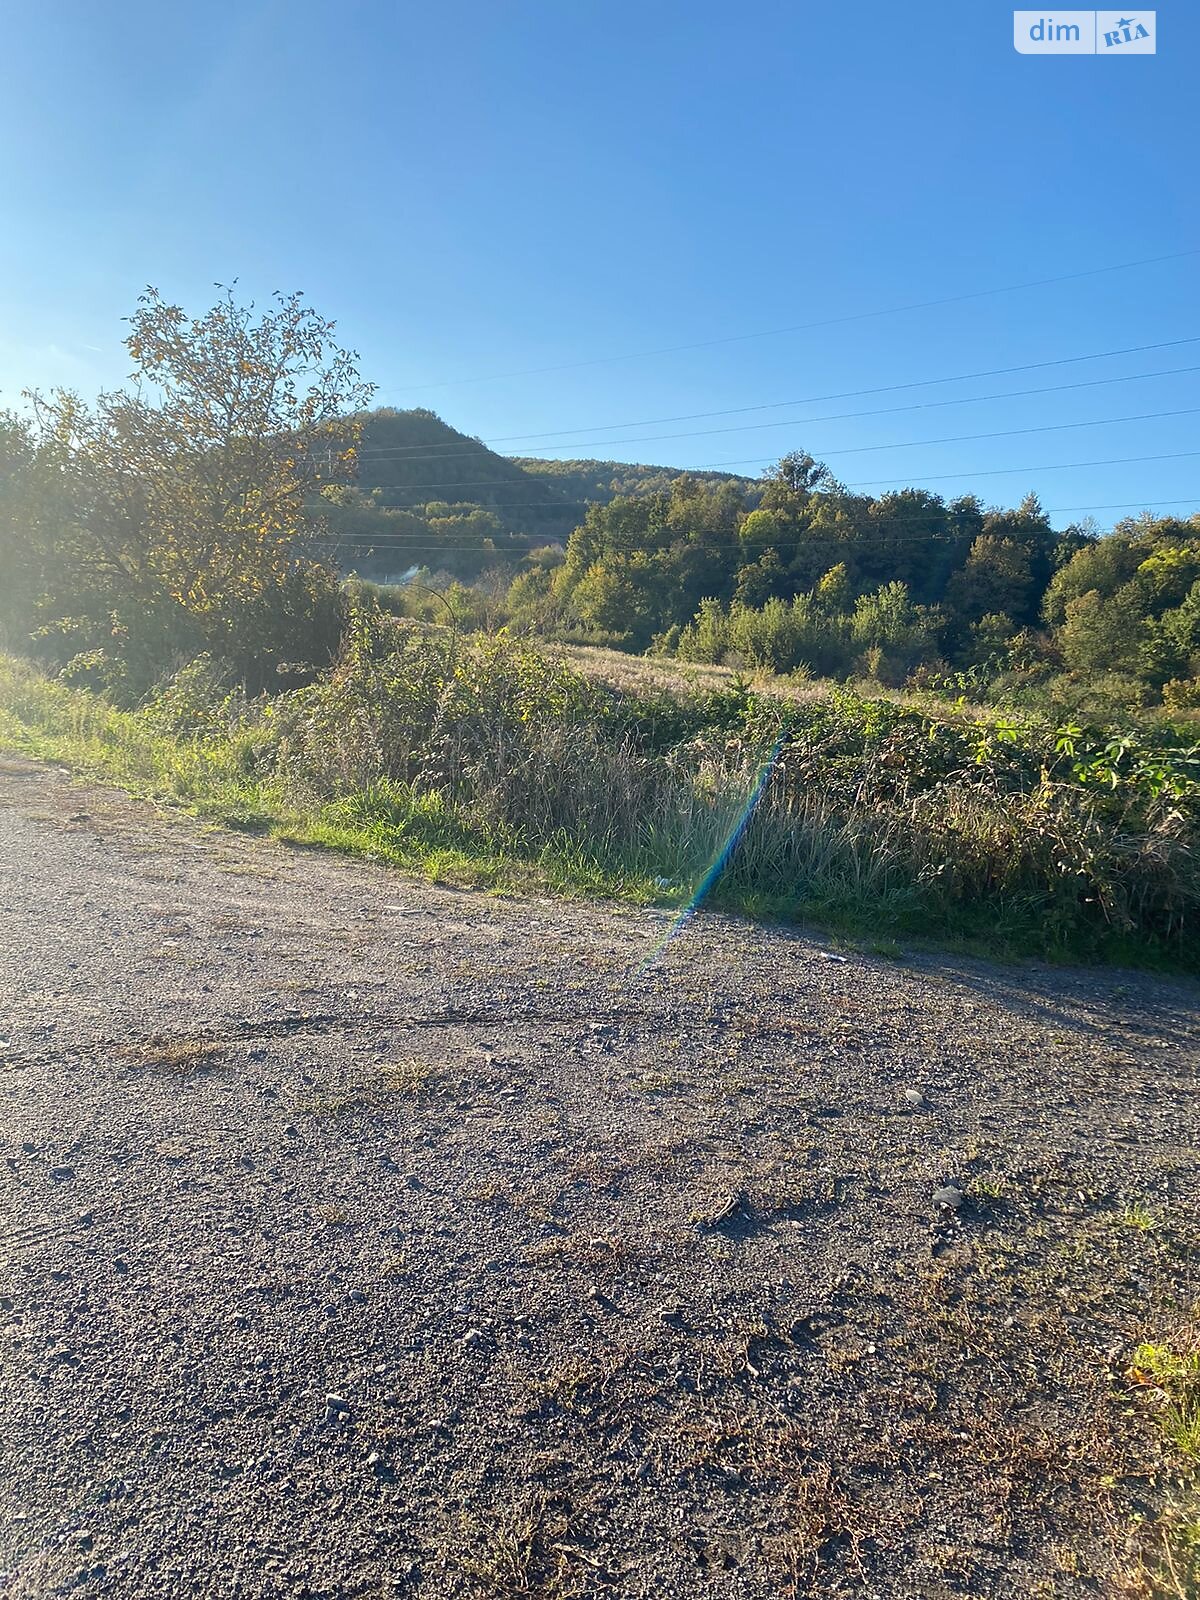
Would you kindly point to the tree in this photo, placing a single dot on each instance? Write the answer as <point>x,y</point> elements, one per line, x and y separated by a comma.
<point>1102,635</point>
<point>190,495</point>
<point>996,578</point>
<point>1102,565</point>
<point>832,594</point>
<point>707,638</point>
<point>793,480</point>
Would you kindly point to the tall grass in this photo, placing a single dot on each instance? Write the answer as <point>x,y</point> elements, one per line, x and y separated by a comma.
<point>486,761</point>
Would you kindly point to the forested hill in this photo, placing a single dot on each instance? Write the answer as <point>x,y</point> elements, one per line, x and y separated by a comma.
<point>426,494</point>
<point>413,458</point>
<point>601,481</point>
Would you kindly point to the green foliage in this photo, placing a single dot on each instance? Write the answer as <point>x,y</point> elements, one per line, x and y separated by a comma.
<point>481,755</point>
<point>168,518</point>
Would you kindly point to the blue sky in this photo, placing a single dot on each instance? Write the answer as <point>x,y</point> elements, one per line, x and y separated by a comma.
<point>477,192</point>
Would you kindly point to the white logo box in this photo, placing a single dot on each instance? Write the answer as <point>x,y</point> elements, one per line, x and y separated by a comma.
<point>1085,33</point>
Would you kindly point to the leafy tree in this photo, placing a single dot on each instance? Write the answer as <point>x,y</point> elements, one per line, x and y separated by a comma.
<point>187,497</point>
<point>707,638</point>
<point>990,641</point>
<point>996,578</point>
<point>1102,567</point>
<point>762,580</point>
<point>1102,634</point>
<point>833,592</point>
<point>791,483</point>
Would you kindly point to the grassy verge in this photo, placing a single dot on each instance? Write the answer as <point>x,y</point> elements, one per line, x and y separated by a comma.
<point>216,779</point>
<point>486,763</point>
<point>1170,1373</point>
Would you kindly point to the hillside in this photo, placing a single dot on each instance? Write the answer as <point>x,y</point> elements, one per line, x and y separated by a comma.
<point>427,494</point>
<point>413,458</point>
<point>602,481</point>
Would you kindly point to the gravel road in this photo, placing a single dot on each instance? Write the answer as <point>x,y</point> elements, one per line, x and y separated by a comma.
<point>367,1238</point>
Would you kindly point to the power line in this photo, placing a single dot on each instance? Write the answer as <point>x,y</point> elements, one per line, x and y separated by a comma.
<point>905,444</point>
<point>812,400</point>
<point>801,327</point>
<point>401,545</point>
<point>382,453</point>
<point>1057,466</point>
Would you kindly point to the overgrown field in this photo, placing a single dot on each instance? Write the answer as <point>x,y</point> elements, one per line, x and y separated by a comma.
<point>483,760</point>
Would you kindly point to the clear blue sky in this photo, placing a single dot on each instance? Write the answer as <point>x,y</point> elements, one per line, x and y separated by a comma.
<point>475,190</point>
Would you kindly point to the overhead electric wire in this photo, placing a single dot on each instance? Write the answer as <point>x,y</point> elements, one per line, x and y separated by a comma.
<point>802,327</point>
<point>402,545</point>
<point>860,449</point>
<point>1056,466</point>
<point>812,400</point>
<point>840,416</point>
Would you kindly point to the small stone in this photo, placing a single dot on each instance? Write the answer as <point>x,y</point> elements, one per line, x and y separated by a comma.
<point>337,1403</point>
<point>358,1297</point>
<point>62,1174</point>
<point>949,1197</point>
<point>916,1098</point>
<point>472,1339</point>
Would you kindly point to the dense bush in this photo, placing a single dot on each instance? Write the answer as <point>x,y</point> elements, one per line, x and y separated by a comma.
<point>1057,837</point>
<point>871,814</point>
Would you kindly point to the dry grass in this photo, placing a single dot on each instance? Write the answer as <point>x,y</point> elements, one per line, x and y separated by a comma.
<point>180,1057</point>
<point>663,674</point>
<point>409,1076</point>
<point>525,1552</point>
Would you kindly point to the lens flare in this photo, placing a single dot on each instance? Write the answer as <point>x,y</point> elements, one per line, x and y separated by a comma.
<point>723,857</point>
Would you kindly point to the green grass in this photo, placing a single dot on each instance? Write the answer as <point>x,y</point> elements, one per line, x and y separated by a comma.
<point>213,779</point>
<point>1170,1373</point>
<point>499,771</point>
<point>1136,1215</point>
<point>1175,1373</point>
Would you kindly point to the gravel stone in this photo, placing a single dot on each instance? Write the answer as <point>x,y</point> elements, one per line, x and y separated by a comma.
<point>723,1360</point>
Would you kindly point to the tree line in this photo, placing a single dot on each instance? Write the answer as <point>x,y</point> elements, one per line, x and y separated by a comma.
<point>799,575</point>
<point>216,503</point>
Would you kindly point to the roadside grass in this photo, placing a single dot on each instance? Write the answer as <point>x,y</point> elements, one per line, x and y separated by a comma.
<point>214,779</point>
<point>1169,1372</point>
<point>502,770</point>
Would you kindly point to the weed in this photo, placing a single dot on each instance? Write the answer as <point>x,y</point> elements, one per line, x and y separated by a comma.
<point>989,1186</point>
<point>1136,1215</point>
<point>507,770</point>
<point>1170,1372</point>
<point>410,1076</point>
<point>1175,1374</point>
<point>181,1057</point>
<point>523,1553</point>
